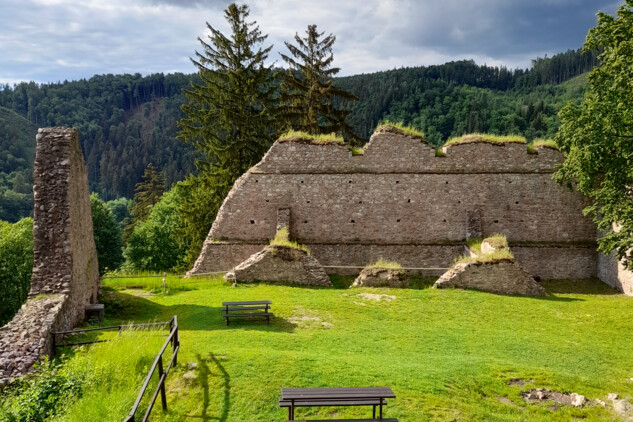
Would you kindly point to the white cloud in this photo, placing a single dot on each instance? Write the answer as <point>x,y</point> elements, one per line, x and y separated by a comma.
<point>51,40</point>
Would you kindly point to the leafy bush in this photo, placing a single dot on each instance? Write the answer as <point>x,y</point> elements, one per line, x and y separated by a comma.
<point>156,243</point>
<point>41,395</point>
<point>107,233</point>
<point>16,263</point>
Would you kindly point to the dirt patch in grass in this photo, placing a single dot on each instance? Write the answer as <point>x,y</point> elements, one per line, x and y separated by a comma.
<point>376,297</point>
<point>537,395</point>
<point>306,318</point>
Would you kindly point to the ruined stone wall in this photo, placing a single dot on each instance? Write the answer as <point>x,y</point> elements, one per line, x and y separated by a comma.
<point>401,202</point>
<point>65,270</point>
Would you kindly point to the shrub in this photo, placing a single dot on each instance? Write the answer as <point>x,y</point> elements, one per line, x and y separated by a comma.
<point>16,264</point>
<point>107,234</point>
<point>41,395</point>
<point>156,244</point>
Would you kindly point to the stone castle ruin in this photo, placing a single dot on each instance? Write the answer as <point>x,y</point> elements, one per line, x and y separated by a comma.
<point>402,202</point>
<point>65,270</point>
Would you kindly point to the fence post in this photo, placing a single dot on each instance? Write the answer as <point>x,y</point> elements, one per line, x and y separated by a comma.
<point>175,340</point>
<point>164,282</point>
<point>161,380</point>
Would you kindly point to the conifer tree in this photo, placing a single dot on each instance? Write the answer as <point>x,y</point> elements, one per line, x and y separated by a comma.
<point>229,116</point>
<point>307,90</point>
<point>147,193</point>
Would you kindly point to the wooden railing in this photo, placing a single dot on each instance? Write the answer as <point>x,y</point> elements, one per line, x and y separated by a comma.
<point>163,371</point>
<point>173,338</point>
<point>86,330</point>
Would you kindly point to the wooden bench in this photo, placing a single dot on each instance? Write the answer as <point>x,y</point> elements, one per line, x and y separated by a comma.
<point>247,309</point>
<point>361,396</point>
<point>94,310</point>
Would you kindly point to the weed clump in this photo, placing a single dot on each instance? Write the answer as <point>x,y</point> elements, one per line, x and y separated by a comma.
<point>541,143</point>
<point>389,265</point>
<point>304,137</point>
<point>399,127</point>
<point>499,250</point>
<point>282,238</point>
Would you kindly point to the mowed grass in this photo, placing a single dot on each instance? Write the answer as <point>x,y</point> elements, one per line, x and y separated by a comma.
<point>448,355</point>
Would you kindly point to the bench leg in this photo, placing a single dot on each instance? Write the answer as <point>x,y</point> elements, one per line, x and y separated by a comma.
<point>374,412</point>
<point>227,320</point>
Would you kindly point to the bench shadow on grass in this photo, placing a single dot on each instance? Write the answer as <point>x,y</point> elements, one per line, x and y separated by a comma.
<point>127,307</point>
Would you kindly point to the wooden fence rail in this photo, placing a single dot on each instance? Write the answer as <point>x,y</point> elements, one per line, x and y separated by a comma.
<point>163,371</point>
<point>174,339</point>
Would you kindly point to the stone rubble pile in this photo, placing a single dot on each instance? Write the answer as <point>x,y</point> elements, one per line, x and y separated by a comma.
<point>282,265</point>
<point>27,337</point>
<point>381,277</point>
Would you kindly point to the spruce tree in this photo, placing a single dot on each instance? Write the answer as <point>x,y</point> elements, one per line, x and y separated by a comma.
<point>229,115</point>
<point>147,193</point>
<point>307,90</point>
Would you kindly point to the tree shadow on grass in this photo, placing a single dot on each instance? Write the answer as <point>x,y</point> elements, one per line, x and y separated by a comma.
<point>125,307</point>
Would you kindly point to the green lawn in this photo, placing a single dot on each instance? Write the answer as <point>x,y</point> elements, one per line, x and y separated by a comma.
<point>447,354</point>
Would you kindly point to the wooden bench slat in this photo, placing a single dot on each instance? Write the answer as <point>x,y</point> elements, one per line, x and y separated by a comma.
<point>301,403</point>
<point>245,308</point>
<point>251,315</point>
<point>248,302</point>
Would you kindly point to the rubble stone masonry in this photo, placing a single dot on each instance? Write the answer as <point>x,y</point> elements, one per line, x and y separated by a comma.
<point>65,270</point>
<point>401,202</point>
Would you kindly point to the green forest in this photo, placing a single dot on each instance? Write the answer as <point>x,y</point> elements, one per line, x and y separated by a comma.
<point>129,121</point>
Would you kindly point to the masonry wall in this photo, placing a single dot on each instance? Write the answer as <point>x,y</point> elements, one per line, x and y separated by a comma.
<point>65,270</point>
<point>399,201</point>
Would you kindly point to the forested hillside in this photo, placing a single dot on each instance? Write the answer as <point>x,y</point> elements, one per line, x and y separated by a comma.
<point>129,121</point>
<point>17,152</point>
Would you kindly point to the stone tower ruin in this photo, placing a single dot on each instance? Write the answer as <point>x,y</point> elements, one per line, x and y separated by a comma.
<point>65,269</point>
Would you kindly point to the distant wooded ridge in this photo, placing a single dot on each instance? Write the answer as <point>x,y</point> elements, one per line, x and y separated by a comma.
<point>128,121</point>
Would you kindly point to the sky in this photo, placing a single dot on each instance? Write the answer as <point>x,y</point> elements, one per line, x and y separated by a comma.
<point>56,40</point>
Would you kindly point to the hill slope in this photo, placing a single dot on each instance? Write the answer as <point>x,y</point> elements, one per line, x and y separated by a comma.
<point>129,121</point>
<point>17,153</point>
